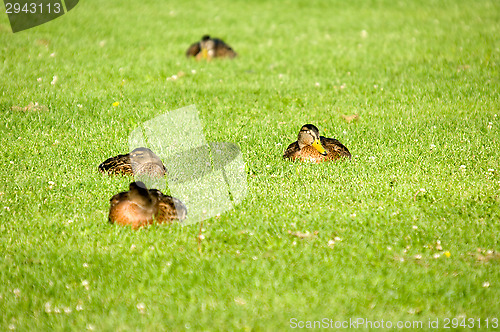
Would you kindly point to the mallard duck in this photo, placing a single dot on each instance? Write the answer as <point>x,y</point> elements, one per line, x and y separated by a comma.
<point>140,207</point>
<point>312,147</point>
<point>209,48</point>
<point>139,161</point>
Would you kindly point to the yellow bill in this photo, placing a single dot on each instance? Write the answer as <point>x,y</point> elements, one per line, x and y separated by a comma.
<point>317,145</point>
<point>204,53</point>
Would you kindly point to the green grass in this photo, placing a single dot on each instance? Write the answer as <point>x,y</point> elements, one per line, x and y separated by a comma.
<point>424,78</point>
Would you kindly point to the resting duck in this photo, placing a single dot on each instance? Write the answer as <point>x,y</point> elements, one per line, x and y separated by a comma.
<point>209,48</point>
<point>139,161</point>
<point>140,207</point>
<point>314,148</point>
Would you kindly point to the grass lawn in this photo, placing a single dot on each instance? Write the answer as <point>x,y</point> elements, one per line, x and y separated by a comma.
<point>407,231</point>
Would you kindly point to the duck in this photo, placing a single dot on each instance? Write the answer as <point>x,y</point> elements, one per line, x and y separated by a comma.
<point>140,161</point>
<point>312,147</point>
<point>208,48</point>
<point>141,207</point>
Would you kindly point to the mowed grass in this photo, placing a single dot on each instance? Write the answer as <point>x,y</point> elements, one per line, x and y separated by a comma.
<point>406,231</point>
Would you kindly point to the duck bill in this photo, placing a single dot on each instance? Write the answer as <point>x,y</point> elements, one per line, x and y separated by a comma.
<point>317,145</point>
<point>204,53</point>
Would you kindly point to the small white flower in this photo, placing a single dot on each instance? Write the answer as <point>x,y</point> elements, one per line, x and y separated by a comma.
<point>151,248</point>
<point>463,167</point>
<point>16,292</point>
<point>79,105</point>
<point>491,170</point>
<point>79,307</point>
<point>141,307</point>
<point>201,237</point>
<point>490,125</point>
<point>486,284</point>
<point>418,256</point>
<point>254,258</point>
<point>436,256</point>
<point>54,80</point>
<point>331,243</point>
<point>12,327</point>
<point>132,247</point>
<point>414,227</point>
<point>90,327</point>
<point>353,215</point>
<point>337,238</point>
<point>317,84</point>
<point>48,308</point>
<point>193,71</point>
<point>85,284</point>
<point>294,243</point>
<point>432,146</point>
<point>67,310</point>
<point>53,54</point>
<point>389,248</point>
<point>85,265</point>
<point>39,79</point>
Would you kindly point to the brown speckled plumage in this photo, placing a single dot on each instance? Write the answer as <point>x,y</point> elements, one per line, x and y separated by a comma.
<point>303,150</point>
<point>139,161</point>
<point>140,207</point>
<point>210,48</point>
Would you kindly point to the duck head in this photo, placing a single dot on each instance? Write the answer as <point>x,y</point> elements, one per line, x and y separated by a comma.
<point>206,45</point>
<point>140,194</point>
<point>309,136</point>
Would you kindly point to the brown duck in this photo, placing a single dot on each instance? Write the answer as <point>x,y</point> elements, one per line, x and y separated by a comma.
<point>310,146</point>
<point>140,207</point>
<point>208,48</point>
<point>139,161</point>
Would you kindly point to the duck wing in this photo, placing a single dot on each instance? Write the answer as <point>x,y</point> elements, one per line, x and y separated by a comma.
<point>117,165</point>
<point>222,49</point>
<point>169,208</point>
<point>193,50</point>
<point>335,147</point>
<point>292,151</point>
